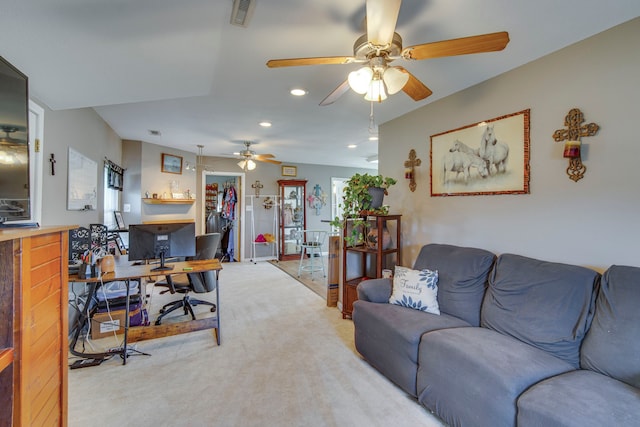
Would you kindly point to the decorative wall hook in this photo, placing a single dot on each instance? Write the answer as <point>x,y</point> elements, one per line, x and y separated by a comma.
<point>575,130</point>
<point>410,169</point>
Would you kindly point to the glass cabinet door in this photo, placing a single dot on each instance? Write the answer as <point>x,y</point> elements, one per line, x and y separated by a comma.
<point>292,217</point>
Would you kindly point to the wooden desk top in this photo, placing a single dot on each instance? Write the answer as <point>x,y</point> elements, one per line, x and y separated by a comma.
<point>124,270</point>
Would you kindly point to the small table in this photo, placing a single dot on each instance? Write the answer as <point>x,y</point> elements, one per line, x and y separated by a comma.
<point>125,270</point>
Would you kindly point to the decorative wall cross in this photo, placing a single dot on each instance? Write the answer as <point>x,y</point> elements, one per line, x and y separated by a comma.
<point>410,166</point>
<point>575,130</point>
<point>52,160</point>
<point>257,186</point>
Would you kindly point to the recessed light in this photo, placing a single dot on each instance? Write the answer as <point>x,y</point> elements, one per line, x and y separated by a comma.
<point>373,138</point>
<point>298,92</point>
<point>265,124</point>
<point>352,146</point>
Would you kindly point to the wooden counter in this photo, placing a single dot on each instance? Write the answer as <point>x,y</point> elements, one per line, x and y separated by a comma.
<point>33,326</point>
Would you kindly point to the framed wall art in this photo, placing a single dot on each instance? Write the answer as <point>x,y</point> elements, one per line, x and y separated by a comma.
<point>171,163</point>
<point>289,171</point>
<point>489,157</point>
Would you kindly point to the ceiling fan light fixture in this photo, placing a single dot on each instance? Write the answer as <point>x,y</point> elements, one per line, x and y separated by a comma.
<point>360,80</point>
<point>247,164</point>
<point>394,79</point>
<point>376,91</point>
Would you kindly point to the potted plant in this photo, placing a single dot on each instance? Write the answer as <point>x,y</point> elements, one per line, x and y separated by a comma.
<point>358,202</point>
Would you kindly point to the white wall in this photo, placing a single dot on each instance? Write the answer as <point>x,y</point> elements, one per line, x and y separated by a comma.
<point>592,222</point>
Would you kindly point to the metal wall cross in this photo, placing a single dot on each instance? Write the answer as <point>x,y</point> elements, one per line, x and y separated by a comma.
<point>410,166</point>
<point>575,130</point>
<point>257,186</point>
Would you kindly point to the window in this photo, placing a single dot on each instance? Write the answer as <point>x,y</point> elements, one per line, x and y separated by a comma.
<point>111,201</point>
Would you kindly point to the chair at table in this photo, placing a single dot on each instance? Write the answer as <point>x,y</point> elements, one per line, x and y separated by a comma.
<point>206,246</point>
<point>312,243</point>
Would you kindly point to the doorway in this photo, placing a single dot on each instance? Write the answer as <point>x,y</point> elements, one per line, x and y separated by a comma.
<point>223,212</point>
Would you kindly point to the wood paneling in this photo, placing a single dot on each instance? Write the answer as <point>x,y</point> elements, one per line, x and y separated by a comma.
<point>34,268</point>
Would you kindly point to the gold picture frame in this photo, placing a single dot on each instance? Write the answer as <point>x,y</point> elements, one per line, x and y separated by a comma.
<point>289,171</point>
<point>171,164</point>
<point>485,158</point>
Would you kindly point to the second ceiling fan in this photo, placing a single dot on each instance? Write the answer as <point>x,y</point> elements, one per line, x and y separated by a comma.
<point>381,45</point>
<point>248,157</point>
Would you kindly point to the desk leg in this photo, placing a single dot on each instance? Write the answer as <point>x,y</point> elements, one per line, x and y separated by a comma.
<point>126,324</point>
<point>82,319</point>
<point>218,307</point>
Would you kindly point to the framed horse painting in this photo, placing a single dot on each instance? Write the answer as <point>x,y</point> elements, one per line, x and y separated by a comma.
<point>489,157</point>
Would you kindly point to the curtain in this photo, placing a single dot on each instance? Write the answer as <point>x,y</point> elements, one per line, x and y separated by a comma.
<point>114,175</point>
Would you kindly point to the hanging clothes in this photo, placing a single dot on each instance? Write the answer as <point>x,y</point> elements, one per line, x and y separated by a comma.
<point>229,203</point>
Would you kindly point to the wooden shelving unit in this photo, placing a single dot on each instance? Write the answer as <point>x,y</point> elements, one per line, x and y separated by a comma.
<point>368,262</point>
<point>169,201</point>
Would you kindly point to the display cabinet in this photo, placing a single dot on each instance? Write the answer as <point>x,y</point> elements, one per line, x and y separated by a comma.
<point>293,217</point>
<point>379,250</point>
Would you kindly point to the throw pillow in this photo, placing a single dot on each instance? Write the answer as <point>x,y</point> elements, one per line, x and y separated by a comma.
<point>417,289</point>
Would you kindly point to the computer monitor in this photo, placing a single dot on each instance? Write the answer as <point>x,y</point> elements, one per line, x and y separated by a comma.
<point>158,241</point>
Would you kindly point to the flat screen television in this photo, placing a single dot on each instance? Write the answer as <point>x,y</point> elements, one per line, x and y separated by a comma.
<point>14,145</point>
<point>159,241</point>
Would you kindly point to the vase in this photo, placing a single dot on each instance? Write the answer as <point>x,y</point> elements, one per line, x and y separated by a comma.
<point>377,196</point>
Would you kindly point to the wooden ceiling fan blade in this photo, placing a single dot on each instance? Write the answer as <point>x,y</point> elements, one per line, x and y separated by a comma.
<point>275,162</point>
<point>263,156</point>
<point>414,87</point>
<point>337,93</point>
<point>382,16</point>
<point>295,62</point>
<point>463,46</point>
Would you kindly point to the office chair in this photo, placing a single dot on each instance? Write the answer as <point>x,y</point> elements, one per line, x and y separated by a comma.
<point>206,246</point>
<point>312,242</point>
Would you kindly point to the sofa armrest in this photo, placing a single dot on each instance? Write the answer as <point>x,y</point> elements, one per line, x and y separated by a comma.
<point>375,290</point>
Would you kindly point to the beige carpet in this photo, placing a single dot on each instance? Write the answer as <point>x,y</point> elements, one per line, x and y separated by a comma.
<point>285,360</point>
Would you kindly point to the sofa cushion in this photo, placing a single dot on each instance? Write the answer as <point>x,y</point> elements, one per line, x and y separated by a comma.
<point>544,304</point>
<point>387,336</point>
<point>473,376</point>
<point>612,345</point>
<point>579,399</point>
<point>462,277</point>
<point>417,289</point>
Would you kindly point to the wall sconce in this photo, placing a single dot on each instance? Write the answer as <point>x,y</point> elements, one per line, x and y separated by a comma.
<point>575,130</point>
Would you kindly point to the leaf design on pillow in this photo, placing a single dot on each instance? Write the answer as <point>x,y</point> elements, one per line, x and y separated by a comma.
<point>430,277</point>
<point>410,303</point>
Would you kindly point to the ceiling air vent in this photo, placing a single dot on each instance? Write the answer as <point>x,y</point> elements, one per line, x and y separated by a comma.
<point>242,11</point>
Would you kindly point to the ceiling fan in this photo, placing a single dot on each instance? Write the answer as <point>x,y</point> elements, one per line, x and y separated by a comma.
<point>381,45</point>
<point>249,157</point>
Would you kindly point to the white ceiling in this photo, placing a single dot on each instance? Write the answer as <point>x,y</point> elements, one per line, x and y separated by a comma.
<point>180,68</point>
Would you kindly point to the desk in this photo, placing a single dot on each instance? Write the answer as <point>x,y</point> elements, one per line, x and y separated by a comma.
<point>125,271</point>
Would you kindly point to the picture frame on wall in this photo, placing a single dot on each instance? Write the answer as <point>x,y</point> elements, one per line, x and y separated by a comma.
<point>484,158</point>
<point>171,163</point>
<point>289,171</point>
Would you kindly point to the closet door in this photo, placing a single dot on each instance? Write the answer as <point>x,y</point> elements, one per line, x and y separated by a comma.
<point>293,217</point>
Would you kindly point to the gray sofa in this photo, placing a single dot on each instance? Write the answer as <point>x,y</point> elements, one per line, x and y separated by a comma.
<point>518,341</point>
